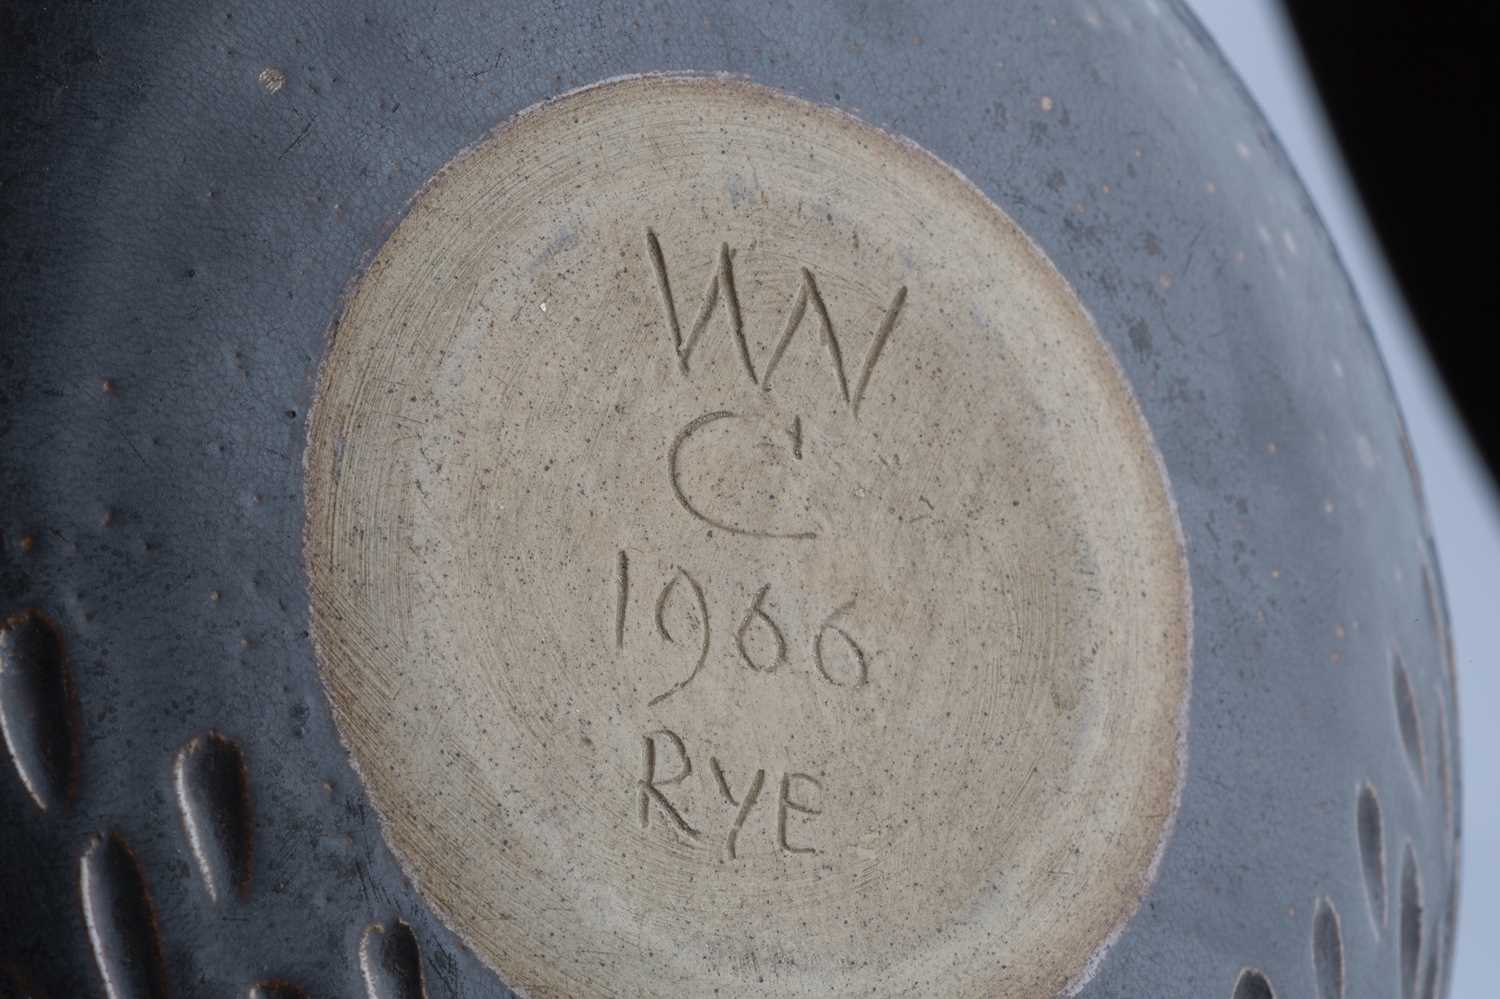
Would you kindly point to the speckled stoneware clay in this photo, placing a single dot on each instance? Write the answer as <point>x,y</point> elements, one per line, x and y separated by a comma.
<point>706,556</point>
<point>696,500</point>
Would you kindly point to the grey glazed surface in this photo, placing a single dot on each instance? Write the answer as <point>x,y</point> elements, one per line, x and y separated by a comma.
<point>178,231</point>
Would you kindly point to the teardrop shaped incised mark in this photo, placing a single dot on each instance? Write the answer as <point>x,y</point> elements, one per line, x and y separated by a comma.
<point>1431,977</point>
<point>213,794</point>
<point>391,962</point>
<point>1328,951</point>
<point>1444,940</point>
<point>1252,985</point>
<point>121,921</point>
<point>1444,765</point>
<point>36,708</point>
<point>1408,720</point>
<point>275,990</point>
<point>1372,851</point>
<point>1411,923</point>
<point>1439,618</point>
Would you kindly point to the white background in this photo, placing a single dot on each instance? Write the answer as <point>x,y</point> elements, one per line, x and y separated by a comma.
<point>1466,517</point>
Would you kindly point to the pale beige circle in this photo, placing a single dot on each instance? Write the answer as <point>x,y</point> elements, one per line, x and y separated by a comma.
<point>739,567</point>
